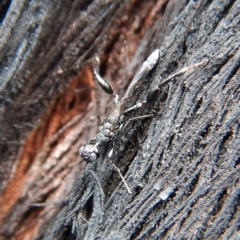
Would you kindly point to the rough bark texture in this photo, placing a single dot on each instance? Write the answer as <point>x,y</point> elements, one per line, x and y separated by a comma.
<point>182,164</point>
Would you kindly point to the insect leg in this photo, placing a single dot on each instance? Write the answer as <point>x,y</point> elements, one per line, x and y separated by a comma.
<point>182,71</point>
<point>101,192</point>
<point>136,106</point>
<point>118,170</point>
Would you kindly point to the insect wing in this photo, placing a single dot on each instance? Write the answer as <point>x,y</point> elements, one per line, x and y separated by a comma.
<point>153,58</point>
<point>146,66</point>
<point>135,81</point>
<point>141,72</point>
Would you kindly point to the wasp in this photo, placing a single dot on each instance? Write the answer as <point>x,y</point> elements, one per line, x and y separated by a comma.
<point>90,152</point>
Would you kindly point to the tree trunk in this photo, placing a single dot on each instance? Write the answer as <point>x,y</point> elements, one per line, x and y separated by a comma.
<point>181,162</point>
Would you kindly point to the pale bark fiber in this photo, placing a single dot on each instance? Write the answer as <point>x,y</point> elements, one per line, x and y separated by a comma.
<point>182,163</point>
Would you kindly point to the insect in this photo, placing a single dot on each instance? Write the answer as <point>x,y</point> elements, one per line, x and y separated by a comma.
<point>90,152</point>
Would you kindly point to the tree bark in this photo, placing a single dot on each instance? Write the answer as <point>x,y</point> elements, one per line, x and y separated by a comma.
<point>181,163</point>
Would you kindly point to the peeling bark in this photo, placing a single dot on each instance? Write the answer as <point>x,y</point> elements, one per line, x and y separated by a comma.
<point>182,164</point>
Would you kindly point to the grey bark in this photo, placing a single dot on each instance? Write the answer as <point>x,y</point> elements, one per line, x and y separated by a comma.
<point>184,169</point>
<point>182,163</point>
